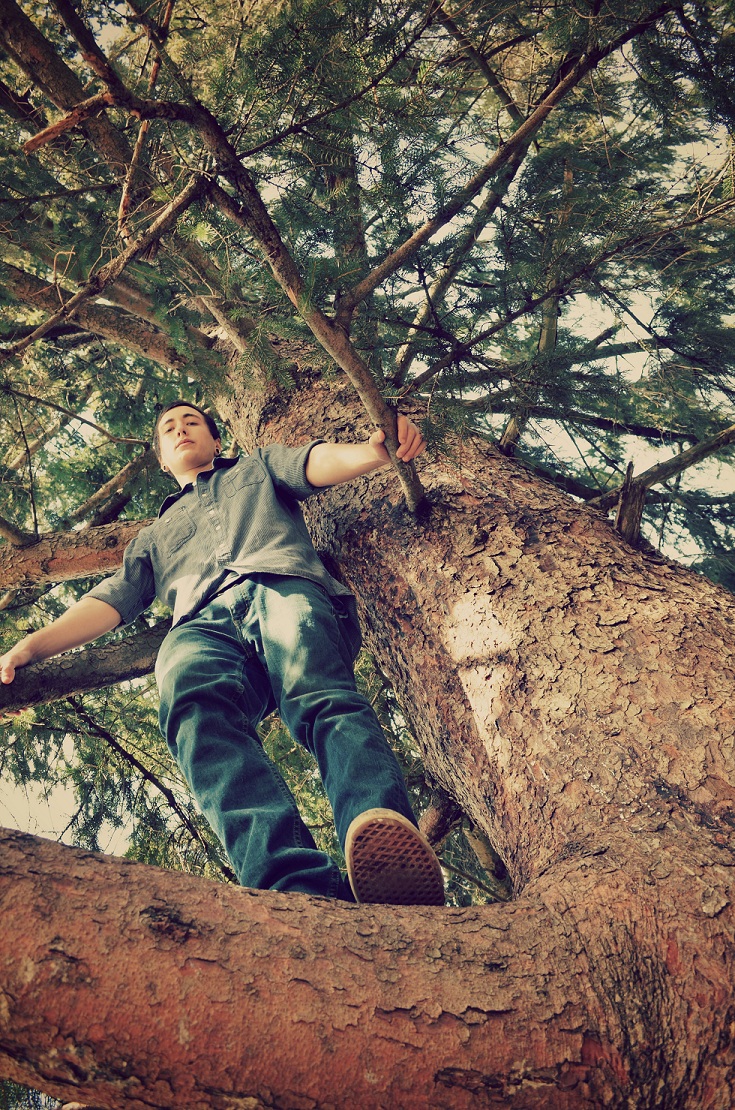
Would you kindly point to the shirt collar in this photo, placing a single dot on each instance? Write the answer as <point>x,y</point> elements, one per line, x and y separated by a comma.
<point>219,463</point>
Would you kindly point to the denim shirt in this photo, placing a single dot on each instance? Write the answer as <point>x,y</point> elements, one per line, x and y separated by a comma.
<point>240,518</point>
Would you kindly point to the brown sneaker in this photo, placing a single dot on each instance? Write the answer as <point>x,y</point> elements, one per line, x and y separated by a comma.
<point>390,861</point>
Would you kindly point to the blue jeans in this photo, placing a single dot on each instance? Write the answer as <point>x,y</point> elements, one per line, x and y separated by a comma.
<point>273,642</point>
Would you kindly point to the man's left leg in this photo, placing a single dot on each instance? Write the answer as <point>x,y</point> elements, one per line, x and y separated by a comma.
<point>297,634</point>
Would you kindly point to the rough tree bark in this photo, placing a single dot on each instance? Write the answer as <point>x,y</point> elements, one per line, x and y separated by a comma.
<point>60,556</point>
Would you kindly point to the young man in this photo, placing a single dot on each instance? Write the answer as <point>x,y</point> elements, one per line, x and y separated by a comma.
<point>259,625</point>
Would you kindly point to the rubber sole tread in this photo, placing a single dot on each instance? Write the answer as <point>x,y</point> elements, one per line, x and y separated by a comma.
<point>389,861</point>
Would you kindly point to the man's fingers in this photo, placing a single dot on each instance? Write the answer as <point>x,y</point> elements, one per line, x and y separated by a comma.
<point>411,441</point>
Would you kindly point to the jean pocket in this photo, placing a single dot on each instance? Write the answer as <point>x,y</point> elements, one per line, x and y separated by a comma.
<point>345,609</point>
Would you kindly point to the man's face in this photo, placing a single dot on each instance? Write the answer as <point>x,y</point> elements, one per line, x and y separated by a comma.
<point>186,443</point>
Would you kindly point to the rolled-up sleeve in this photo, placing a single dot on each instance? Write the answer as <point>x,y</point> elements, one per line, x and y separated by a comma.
<point>287,467</point>
<point>132,588</point>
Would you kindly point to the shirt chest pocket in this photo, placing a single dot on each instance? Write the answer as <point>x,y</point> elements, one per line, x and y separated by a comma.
<point>174,529</point>
<point>248,472</point>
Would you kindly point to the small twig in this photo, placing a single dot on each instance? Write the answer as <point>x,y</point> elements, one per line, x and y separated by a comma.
<point>5,388</point>
<point>149,777</point>
<point>499,892</point>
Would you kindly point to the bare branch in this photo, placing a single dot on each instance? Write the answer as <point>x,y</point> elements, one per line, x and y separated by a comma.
<point>662,471</point>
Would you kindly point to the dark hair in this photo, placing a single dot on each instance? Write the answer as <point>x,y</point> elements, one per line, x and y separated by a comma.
<point>213,429</point>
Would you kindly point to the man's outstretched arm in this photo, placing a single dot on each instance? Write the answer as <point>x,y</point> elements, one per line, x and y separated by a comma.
<point>331,463</point>
<point>84,621</point>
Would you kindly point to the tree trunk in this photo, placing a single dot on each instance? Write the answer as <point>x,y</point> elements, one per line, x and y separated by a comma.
<point>573,695</point>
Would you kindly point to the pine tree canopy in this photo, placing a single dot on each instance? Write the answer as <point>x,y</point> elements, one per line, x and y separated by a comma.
<point>519,215</point>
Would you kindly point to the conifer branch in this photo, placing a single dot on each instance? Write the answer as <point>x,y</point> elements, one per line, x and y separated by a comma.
<point>604,423</point>
<point>108,273</point>
<point>647,238</point>
<point>562,84</point>
<point>91,52</point>
<point>332,338</point>
<point>302,125</point>
<point>7,388</point>
<point>466,241</point>
<point>662,471</point>
<point>479,61</point>
<point>34,53</point>
<point>115,485</point>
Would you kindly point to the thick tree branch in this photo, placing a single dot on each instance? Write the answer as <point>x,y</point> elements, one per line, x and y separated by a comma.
<point>78,672</point>
<point>332,338</point>
<point>124,326</point>
<point>439,818</point>
<point>20,108</point>
<point>64,556</point>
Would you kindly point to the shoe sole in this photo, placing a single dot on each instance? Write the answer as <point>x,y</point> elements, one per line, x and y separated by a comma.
<point>390,862</point>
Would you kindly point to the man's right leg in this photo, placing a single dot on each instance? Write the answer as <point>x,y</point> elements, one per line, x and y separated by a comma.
<point>213,694</point>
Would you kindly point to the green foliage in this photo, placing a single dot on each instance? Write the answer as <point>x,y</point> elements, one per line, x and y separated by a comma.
<point>15,1097</point>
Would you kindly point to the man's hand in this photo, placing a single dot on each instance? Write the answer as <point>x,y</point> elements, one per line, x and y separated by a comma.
<point>18,656</point>
<point>411,443</point>
<point>87,619</point>
<point>329,464</point>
